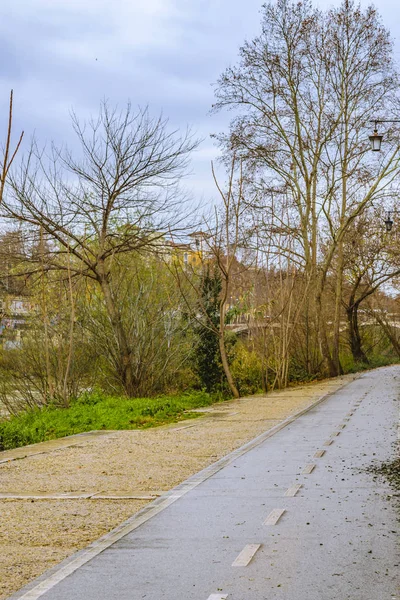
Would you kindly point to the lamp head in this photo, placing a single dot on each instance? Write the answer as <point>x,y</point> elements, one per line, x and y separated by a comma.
<point>388,223</point>
<point>376,141</point>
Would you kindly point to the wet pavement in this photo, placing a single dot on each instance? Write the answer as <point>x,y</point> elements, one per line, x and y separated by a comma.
<point>294,515</point>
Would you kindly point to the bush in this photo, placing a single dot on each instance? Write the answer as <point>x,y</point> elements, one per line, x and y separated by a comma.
<point>376,360</point>
<point>298,373</point>
<point>246,368</point>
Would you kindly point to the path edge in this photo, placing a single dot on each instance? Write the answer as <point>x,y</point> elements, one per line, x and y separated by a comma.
<point>51,577</point>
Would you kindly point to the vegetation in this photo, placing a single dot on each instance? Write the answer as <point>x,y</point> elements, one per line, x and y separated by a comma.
<point>289,277</point>
<point>95,411</point>
<point>208,364</point>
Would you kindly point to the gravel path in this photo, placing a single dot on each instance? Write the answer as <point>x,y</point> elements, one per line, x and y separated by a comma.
<point>37,534</point>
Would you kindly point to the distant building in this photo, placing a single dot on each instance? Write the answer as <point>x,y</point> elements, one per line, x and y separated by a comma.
<point>191,253</point>
<point>14,314</point>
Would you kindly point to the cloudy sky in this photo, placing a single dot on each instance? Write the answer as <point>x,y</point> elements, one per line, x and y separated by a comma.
<point>60,55</point>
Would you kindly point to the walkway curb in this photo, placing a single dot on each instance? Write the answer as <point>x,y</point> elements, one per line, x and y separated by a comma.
<point>52,577</point>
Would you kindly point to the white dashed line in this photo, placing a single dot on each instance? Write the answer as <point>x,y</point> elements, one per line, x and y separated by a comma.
<point>308,469</point>
<point>274,516</point>
<point>50,579</point>
<point>335,433</point>
<point>217,597</point>
<point>292,491</point>
<point>246,555</point>
<point>328,443</point>
<point>319,454</point>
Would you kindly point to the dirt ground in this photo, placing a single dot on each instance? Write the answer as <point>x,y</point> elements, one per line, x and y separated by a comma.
<point>37,532</point>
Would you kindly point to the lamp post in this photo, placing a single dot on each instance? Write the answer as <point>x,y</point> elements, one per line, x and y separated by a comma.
<point>388,221</point>
<point>376,141</point>
<point>376,138</point>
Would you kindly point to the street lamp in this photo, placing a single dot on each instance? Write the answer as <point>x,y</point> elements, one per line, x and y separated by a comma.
<point>376,142</point>
<point>376,139</point>
<point>388,221</point>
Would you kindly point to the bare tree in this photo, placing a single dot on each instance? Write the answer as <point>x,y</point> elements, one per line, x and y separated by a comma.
<point>8,154</point>
<point>158,333</point>
<point>371,260</point>
<point>120,196</point>
<point>223,239</point>
<point>388,320</point>
<point>304,92</point>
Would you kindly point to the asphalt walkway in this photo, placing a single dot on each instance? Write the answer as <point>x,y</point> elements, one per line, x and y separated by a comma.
<point>294,515</point>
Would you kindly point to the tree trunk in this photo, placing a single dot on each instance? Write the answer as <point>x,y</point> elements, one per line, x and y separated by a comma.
<point>390,332</point>
<point>354,335</point>
<point>338,301</point>
<point>71,333</point>
<point>393,340</point>
<point>125,367</point>
<point>226,368</point>
<point>329,365</point>
<point>222,348</point>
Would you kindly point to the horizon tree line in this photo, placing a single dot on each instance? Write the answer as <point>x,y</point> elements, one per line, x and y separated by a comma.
<point>298,218</point>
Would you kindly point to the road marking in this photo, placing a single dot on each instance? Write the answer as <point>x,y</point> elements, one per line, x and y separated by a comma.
<point>246,555</point>
<point>319,453</point>
<point>328,442</point>
<point>308,469</point>
<point>350,414</point>
<point>274,516</point>
<point>342,426</point>
<point>217,597</point>
<point>292,491</point>
<point>72,563</point>
<point>335,433</point>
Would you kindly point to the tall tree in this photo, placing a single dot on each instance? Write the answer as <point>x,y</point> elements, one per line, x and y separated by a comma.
<point>304,92</point>
<point>207,356</point>
<point>120,196</point>
<point>221,242</point>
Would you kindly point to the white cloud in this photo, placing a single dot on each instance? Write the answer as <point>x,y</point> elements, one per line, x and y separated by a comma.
<point>63,54</point>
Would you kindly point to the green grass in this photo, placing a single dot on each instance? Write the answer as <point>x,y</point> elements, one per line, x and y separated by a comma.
<point>349,366</point>
<point>98,411</point>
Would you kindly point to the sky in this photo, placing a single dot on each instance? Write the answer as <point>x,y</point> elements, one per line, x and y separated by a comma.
<point>67,55</point>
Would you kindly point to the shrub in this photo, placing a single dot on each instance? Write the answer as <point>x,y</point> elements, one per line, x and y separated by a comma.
<point>246,368</point>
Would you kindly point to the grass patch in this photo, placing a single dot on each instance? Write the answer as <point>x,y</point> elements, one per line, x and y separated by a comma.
<point>97,411</point>
<point>349,366</point>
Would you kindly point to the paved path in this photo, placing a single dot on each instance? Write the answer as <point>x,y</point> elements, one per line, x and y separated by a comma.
<point>295,517</point>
